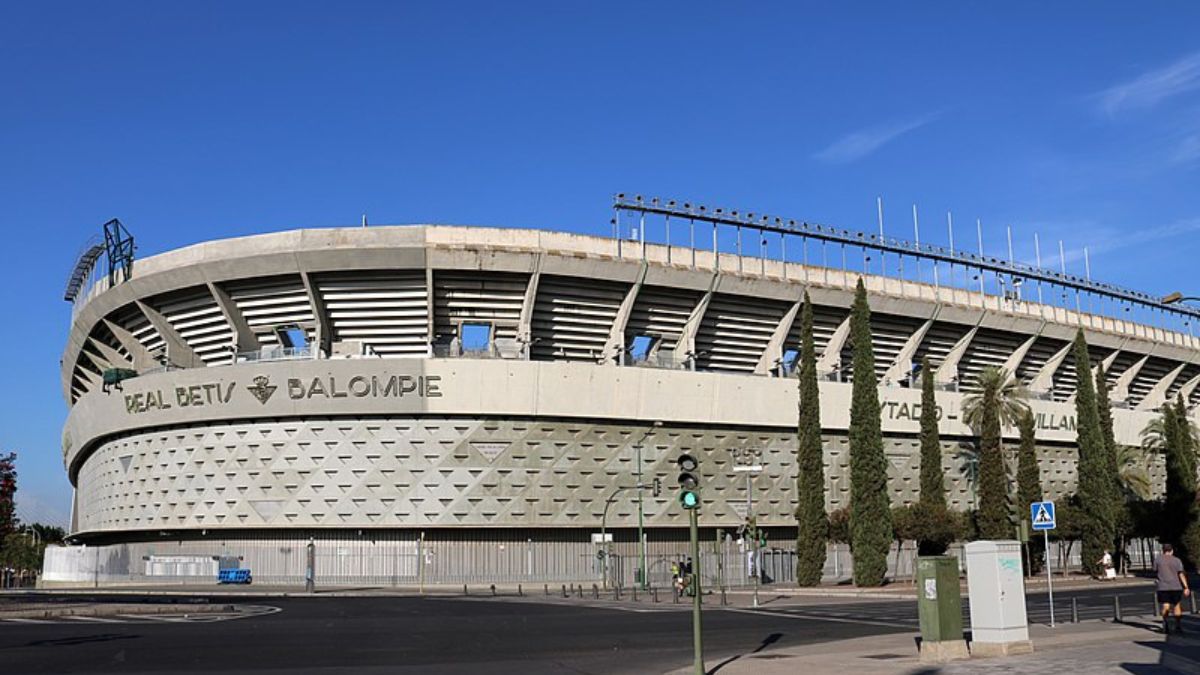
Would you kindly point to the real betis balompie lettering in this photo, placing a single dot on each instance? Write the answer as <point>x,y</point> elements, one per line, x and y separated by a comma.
<point>263,390</point>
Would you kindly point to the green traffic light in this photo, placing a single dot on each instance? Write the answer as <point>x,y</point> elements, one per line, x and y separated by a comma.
<point>689,499</point>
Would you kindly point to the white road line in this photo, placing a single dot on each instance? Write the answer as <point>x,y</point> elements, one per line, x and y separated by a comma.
<point>92,619</point>
<point>815,617</point>
<point>27,620</point>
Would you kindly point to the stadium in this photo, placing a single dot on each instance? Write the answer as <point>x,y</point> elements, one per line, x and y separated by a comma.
<point>444,404</point>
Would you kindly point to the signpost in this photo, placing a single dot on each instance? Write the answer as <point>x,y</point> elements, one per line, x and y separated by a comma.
<point>1042,518</point>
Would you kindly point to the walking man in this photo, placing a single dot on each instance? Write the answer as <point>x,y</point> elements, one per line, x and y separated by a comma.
<point>1171,586</point>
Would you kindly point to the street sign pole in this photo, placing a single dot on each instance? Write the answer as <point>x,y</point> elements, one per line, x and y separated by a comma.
<point>1049,579</point>
<point>1042,516</point>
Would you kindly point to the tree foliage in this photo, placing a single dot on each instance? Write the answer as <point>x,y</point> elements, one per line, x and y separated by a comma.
<point>812,525</point>
<point>933,478</point>
<point>998,400</point>
<point>1029,485</point>
<point>1096,476</point>
<point>931,524</point>
<point>1179,508</point>
<point>8,492</point>
<point>870,515</point>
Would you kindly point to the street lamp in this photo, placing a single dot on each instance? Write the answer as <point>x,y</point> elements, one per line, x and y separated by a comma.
<point>1177,297</point>
<point>749,462</point>
<point>640,489</point>
<point>604,547</point>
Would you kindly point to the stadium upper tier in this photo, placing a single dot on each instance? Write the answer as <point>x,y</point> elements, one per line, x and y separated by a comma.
<point>439,291</point>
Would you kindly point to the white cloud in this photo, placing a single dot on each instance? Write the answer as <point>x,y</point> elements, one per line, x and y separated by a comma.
<point>1103,240</point>
<point>861,143</point>
<point>1153,87</point>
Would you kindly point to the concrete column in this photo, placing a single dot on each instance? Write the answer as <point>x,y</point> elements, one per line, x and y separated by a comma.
<point>901,366</point>
<point>831,358</point>
<point>324,331</point>
<point>686,347</point>
<point>1157,395</point>
<point>774,350</point>
<point>614,347</point>
<point>244,338</point>
<point>179,351</point>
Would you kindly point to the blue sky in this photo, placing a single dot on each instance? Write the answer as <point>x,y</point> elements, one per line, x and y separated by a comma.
<point>1079,121</point>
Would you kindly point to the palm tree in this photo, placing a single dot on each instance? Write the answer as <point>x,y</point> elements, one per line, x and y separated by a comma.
<point>998,401</point>
<point>999,390</point>
<point>1154,436</point>
<point>1132,473</point>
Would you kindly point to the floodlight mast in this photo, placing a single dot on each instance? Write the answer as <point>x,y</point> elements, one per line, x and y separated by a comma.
<point>119,249</point>
<point>718,216</point>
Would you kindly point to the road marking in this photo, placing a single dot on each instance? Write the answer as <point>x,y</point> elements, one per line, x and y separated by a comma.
<point>28,621</point>
<point>93,619</point>
<point>794,614</point>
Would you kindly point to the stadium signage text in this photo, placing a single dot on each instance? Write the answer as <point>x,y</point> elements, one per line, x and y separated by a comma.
<point>263,390</point>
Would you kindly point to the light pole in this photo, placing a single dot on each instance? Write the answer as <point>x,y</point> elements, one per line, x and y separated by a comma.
<point>604,536</point>
<point>640,488</point>
<point>749,462</point>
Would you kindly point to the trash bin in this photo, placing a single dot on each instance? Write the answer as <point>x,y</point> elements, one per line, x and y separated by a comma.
<point>939,604</point>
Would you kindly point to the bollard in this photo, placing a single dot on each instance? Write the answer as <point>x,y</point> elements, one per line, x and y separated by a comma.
<point>546,587</point>
<point>676,594</point>
<point>616,593</point>
<point>579,592</point>
<point>1074,610</point>
<point>1192,596</point>
<point>1117,609</point>
<point>655,592</point>
<point>595,592</point>
<point>564,590</point>
<point>493,590</point>
<point>465,590</point>
<point>520,591</point>
<point>724,600</point>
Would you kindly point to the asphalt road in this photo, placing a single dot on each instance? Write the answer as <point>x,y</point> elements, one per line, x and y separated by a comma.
<point>453,635</point>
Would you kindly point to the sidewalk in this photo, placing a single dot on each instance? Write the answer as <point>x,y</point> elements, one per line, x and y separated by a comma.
<point>1091,647</point>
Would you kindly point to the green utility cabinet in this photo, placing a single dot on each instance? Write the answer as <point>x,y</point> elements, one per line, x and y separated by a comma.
<point>939,599</point>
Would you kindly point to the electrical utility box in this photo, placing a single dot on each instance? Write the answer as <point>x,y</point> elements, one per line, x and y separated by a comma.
<point>996,586</point>
<point>939,604</point>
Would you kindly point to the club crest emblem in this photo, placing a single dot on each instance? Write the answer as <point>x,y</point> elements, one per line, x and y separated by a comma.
<point>262,389</point>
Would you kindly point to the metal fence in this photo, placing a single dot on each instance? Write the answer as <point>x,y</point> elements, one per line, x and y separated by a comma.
<point>403,558</point>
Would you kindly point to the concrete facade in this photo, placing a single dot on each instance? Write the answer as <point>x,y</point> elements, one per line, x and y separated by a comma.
<point>387,418</point>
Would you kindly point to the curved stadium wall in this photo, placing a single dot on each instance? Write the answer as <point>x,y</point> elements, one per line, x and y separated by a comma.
<point>465,404</point>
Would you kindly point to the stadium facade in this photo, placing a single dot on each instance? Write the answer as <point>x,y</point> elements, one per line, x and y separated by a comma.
<point>443,403</point>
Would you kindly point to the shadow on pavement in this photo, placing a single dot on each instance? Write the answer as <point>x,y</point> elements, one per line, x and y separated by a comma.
<point>767,642</point>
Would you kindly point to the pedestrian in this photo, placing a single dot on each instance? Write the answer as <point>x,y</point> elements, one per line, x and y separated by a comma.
<point>1106,563</point>
<point>1171,586</point>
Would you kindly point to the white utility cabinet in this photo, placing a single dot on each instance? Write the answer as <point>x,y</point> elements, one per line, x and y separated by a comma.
<point>996,587</point>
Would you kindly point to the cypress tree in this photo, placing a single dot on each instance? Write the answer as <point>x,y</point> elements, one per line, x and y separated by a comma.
<point>933,480</point>
<point>932,524</point>
<point>1181,527</point>
<point>870,512</point>
<point>1096,528</point>
<point>1029,485</point>
<point>812,525</point>
<point>993,474</point>
<point>1115,501</point>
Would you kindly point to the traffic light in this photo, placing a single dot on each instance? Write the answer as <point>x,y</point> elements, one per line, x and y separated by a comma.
<point>689,481</point>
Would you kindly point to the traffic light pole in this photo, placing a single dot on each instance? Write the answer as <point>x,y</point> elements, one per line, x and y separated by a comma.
<point>697,636</point>
<point>641,534</point>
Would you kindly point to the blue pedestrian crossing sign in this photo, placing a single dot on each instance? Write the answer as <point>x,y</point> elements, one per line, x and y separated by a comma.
<point>1041,515</point>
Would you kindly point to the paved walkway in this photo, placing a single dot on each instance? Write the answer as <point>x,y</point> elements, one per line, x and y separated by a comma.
<point>1070,649</point>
